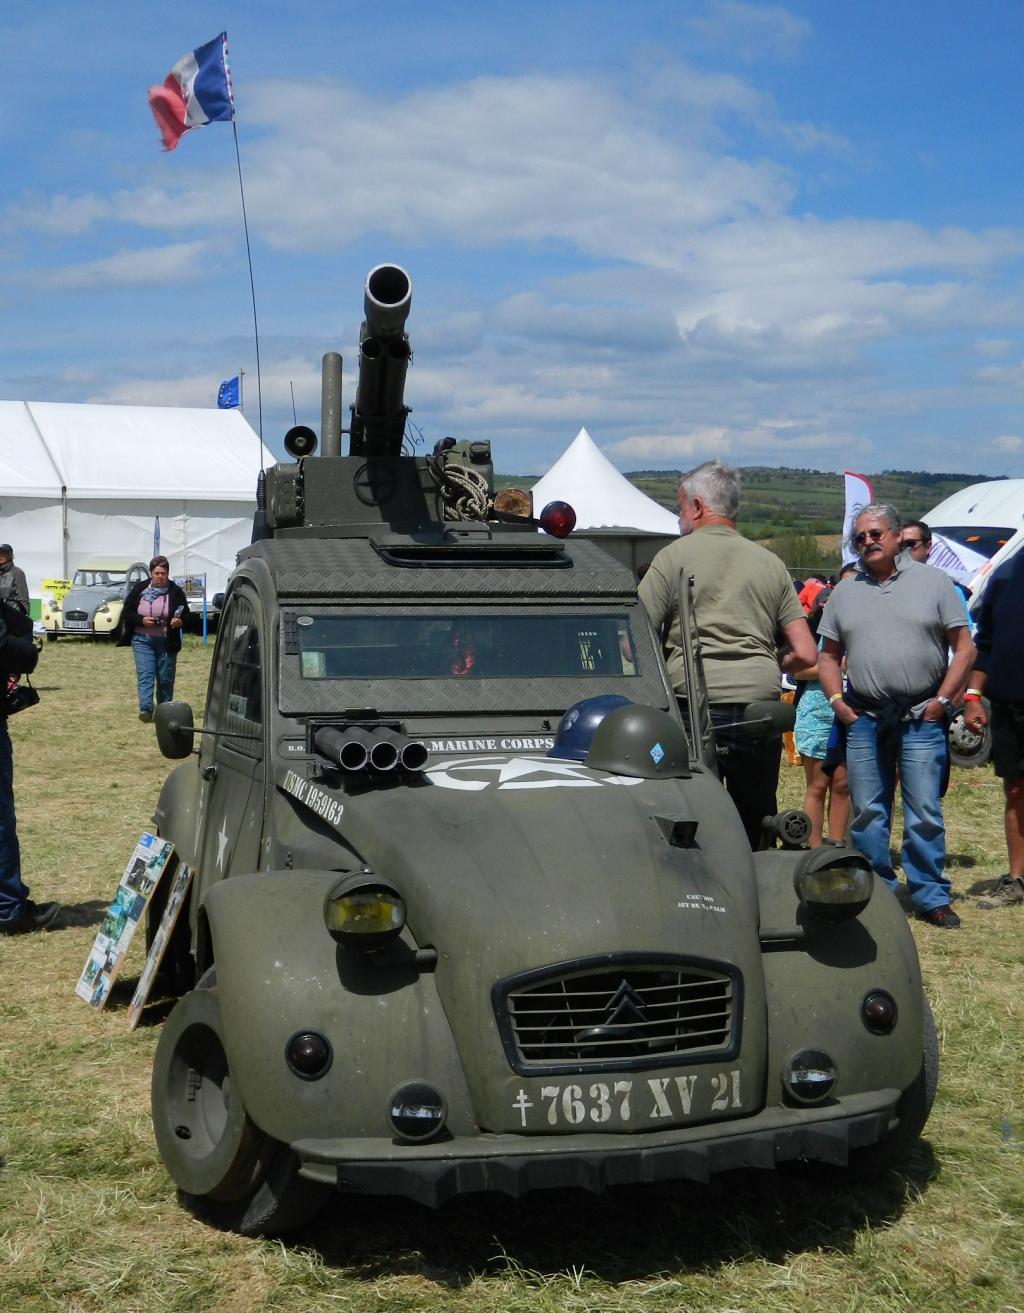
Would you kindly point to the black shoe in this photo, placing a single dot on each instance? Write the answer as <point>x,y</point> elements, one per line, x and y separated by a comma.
<point>32,916</point>
<point>1008,892</point>
<point>944,917</point>
<point>145,716</point>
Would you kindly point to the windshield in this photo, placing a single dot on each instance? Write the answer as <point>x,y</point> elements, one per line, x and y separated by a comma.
<point>102,578</point>
<point>466,647</point>
<point>986,542</point>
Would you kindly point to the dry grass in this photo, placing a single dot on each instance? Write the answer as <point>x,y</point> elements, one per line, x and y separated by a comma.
<point>89,1222</point>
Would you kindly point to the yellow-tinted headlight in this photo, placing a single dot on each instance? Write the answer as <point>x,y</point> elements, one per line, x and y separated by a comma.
<point>364,911</point>
<point>834,885</point>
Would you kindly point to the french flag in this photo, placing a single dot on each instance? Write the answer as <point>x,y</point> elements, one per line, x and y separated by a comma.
<point>197,91</point>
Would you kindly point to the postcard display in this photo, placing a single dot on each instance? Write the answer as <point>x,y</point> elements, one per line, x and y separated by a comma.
<point>150,859</point>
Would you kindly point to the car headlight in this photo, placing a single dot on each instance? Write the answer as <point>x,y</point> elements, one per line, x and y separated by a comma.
<point>834,884</point>
<point>364,911</point>
<point>102,609</point>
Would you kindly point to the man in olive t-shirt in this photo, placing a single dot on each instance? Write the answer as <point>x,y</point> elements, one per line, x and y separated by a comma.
<point>745,605</point>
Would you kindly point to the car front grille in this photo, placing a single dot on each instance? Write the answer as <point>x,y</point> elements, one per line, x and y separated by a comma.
<point>633,1014</point>
<point>76,615</point>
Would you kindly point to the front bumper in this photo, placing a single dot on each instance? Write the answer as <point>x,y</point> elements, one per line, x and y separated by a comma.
<point>431,1174</point>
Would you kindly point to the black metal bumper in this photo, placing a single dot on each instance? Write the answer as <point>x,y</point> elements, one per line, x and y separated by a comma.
<point>436,1179</point>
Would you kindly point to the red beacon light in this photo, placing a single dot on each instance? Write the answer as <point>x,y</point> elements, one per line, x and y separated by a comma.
<point>558,519</point>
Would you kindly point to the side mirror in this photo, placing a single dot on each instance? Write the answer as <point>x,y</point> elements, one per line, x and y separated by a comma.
<point>768,718</point>
<point>174,724</point>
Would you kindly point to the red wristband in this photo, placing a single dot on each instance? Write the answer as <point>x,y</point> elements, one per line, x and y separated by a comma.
<point>972,697</point>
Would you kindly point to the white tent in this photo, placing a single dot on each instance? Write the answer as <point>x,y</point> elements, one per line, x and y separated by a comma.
<point>88,480</point>
<point>601,497</point>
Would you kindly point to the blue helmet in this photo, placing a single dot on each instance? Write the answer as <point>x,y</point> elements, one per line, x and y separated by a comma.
<point>576,728</point>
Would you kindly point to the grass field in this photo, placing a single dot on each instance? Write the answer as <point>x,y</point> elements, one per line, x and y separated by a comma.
<point>88,1217</point>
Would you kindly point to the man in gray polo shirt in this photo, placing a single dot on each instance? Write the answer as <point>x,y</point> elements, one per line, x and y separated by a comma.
<point>745,607</point>
<point>894,621</point>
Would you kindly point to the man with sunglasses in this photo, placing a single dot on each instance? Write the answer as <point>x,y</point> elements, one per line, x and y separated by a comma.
<point>895,621</point>
<point>916,538</point>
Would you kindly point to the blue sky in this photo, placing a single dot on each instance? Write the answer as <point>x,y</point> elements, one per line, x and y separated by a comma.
<point>777,234</point>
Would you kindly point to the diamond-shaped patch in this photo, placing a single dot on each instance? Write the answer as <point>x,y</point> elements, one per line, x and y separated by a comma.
<point>657,752</point>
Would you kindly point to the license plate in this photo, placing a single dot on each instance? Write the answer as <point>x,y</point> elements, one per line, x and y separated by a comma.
<point>77,624</point>
<point>649,1102</point>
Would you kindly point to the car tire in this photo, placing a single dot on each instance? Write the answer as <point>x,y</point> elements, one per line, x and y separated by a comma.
<point>965,747</point>
<point>51,637</point>
<point>228,1172</point>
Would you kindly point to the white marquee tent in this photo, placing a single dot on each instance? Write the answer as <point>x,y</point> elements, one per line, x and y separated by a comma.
<point>78,481</point>
<point>601,497</point>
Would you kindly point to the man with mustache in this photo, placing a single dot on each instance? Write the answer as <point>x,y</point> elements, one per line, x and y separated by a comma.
<point>896,621</point>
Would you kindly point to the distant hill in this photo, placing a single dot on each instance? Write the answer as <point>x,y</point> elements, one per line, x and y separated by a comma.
<point>781,506</point>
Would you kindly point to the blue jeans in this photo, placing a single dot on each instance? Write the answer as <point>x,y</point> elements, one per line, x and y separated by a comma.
<point>921,753</point>
<point>12,892</point>
<point>154,665</point>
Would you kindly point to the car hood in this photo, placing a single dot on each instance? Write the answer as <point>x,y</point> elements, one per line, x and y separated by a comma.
<point>88,598</point>
<point>517,862</point>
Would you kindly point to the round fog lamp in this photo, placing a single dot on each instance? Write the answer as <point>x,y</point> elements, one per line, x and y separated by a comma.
<point>879,1012</point>
<point>416,1111</point>
<point>309,1054</point>
<point>834,886</point>
<point>364,911</point>
<point>810,1076</point>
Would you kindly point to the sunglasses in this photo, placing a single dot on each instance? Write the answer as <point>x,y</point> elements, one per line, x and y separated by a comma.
<point>876,535</point>
<point>914,542</point>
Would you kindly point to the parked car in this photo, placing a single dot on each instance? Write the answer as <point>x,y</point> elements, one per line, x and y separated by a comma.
<point>93,605</point>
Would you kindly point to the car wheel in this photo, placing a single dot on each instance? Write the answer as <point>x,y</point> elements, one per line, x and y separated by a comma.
<point>228,1172</point>
<point>966,748</point>
<point>51,637</point>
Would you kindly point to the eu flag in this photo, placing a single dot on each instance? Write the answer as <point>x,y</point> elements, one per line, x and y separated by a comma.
<point>227,395</point>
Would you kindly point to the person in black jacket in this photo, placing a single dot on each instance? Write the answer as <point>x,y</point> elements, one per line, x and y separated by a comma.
<point>18,913</point>
<point>153,617</point>
<point>998,674</point>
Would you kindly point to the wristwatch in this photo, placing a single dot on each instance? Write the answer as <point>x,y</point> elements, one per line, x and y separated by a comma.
<point>945,702</point>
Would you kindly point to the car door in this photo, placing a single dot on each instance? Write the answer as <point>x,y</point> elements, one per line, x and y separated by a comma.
<point>232,761</point>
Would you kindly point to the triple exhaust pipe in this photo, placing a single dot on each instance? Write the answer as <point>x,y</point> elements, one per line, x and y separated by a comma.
<point>356,749</point>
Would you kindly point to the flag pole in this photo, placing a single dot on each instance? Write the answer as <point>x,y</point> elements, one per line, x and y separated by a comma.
<point>252,288</point>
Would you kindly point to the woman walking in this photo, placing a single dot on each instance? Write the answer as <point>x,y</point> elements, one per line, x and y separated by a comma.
<point>154,614</point>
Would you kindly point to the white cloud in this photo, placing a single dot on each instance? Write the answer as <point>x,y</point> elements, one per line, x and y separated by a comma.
<point>151,267</point>
<point>994,346</point>
<point>1008,442</point>
<point>1011,376</point>
<point>666,448</point>
<point>753,33</point>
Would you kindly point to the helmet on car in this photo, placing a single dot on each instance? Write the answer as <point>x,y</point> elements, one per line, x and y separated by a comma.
<point>576,728</point>
<point>642,742</point>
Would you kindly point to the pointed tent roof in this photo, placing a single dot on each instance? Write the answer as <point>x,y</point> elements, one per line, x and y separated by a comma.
<point>601,497</point>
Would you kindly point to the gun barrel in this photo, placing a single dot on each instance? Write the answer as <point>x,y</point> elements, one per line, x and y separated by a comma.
<point>378,416</point>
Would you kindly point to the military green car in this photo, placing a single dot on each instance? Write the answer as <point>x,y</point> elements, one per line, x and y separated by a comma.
<point>472,910</point>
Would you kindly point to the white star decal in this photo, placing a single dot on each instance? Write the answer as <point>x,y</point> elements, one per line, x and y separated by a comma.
<point>519,773</point>
<point>222,845</point>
